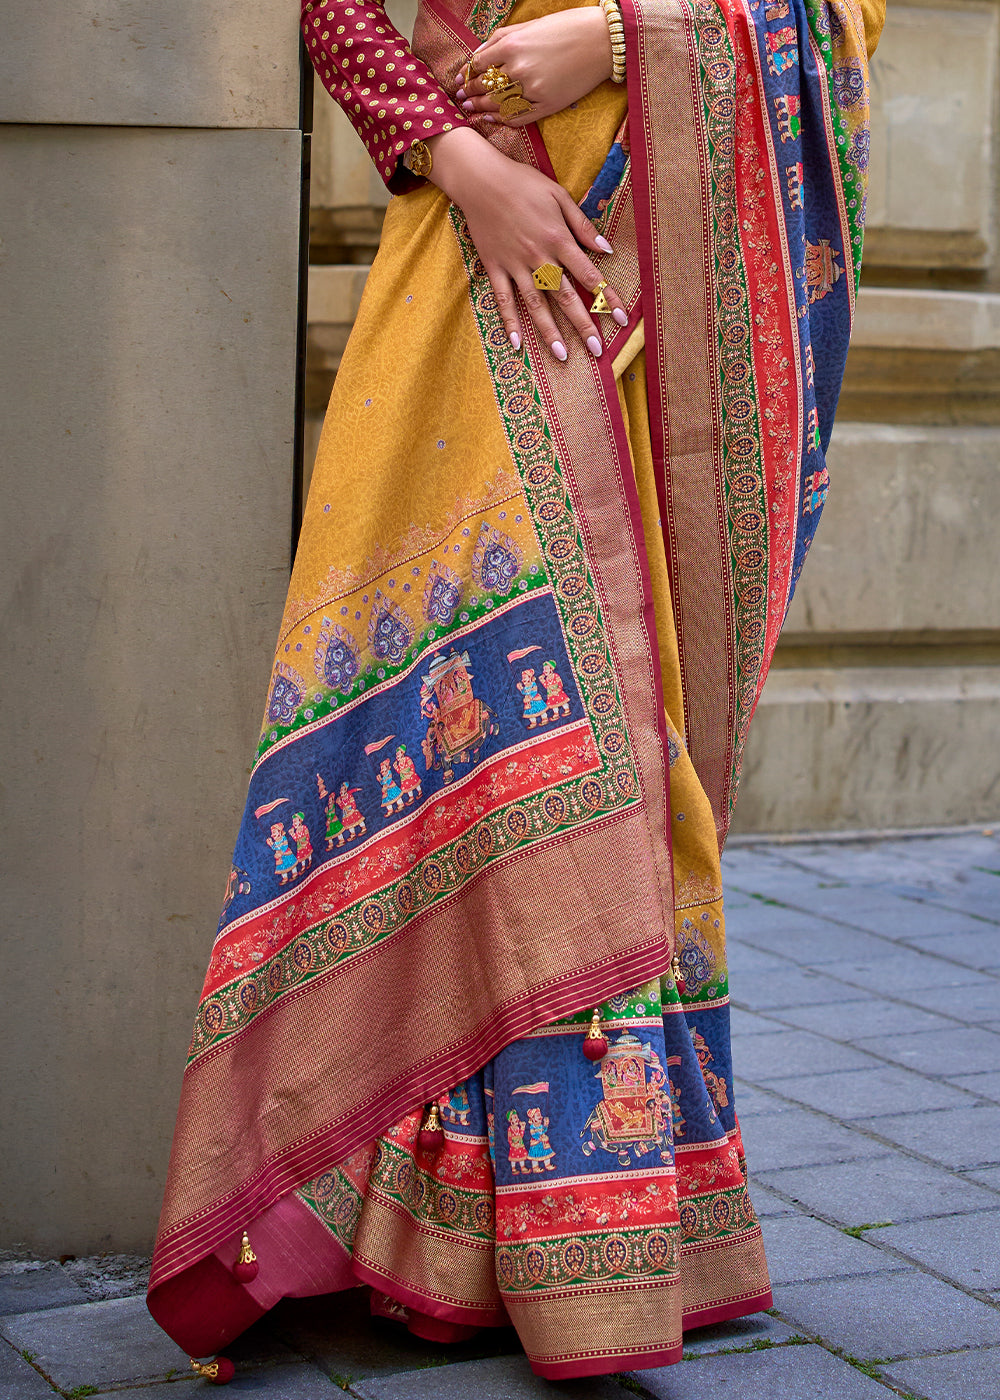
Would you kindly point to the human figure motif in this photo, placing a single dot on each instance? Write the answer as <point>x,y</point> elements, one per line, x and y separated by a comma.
<point>491,1125</point>
<point>284,861</point>
<point>715,1083</point>
<point>659,1086</point>
<point>540,1151</point>
<point>392,793</point>
<point>517,1153</point>
<point>334,826</point>
<point>409,778</point>
<point>303,845</point>
<point>457,1108</point>
<point>677,1119</point>
<point>350,813</point>
<point>556,698</point>
<point>534,705</point>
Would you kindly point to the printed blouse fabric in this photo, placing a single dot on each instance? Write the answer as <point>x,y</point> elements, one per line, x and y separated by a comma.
<point>368,68</point>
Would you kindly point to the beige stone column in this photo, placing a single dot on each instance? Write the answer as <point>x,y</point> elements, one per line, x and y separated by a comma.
<point>150,170</point>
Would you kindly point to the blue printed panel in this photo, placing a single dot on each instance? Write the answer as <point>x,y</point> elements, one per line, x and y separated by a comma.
<point>360,771</point>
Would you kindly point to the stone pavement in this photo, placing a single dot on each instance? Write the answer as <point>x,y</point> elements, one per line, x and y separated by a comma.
<point>866,1029</point>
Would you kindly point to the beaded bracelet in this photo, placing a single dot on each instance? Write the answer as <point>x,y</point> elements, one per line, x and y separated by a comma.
<point>616,28</point>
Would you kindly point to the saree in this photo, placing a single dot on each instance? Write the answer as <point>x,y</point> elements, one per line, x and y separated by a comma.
<point>532,609</point>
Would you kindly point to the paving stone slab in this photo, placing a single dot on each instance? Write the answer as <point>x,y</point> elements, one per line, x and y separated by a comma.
<point>795,1137</point>
<point>750,1100</point>
<point>932,917</point>
<point>975,1001</point>
<point>957,1050</point>
<point>33,1290</point>
<point>987,1086</point>
<point>743,1023</point>
<point>961,1375</point>
<point>898,973</point>
<point>821,944</point>
<point>989,1176</point>
<point>96,1343</point>
<point>499,1378</point>
<point>338,1334</point>
<point>800,1248</point>
<point>976,949</point>
<point>767,991</point>
<point>744,959</point>
<point>894,1187</point>
<point>784,1373</point>
<point>761,916</point>
<point>965,1248</point>
<point>852,1020</point>
<point>864,1093</point>
<point>784,1054</point>
<point>889,1315</point>
<point>766,1203</point>
<point>955,1137</point>
<point>756,1329</point>
<point>298,1381</point>
<point>18,1380</point>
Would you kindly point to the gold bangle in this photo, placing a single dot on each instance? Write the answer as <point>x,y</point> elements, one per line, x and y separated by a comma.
<point>616,31</point>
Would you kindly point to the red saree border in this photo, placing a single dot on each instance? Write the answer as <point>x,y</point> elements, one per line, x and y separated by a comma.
<point>675,258</point>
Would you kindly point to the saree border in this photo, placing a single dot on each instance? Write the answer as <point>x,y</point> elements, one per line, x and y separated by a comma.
<point>669,146</point>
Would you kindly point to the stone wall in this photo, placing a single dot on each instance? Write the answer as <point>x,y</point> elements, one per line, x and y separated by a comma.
<point>150,175</point>
<point>883,707</point>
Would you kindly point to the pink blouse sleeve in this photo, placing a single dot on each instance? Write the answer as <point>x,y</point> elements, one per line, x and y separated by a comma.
<point>391,97</point>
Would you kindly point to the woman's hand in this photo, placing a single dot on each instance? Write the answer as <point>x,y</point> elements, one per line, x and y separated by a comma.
<point>557,59</point>
<point>518,219</point>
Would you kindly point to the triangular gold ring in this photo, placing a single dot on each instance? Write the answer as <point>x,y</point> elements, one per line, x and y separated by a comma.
<point>600,300</point>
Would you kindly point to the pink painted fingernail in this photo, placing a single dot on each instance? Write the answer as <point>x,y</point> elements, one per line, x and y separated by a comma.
<point>515,340</point>
<point>620,316</point>
<point>460,95</point>
<point>594,346</point>
<point>559,350</point>
<point>488,118</point>
<point>467,107</point>
<point>603,244</point>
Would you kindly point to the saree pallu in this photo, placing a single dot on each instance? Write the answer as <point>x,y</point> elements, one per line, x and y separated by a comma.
<point>532,610</point>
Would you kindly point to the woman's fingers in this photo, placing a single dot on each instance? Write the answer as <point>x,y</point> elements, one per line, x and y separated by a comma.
<point>538,309</point>
<point>503,290</point>
<point>486,103</point>
<point>567,297</point>
<point>578,265</point>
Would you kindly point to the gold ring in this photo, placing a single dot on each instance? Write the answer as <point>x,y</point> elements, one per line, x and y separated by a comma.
<point>600,300</point>
<point>548,277</point>
<point>471,68</point>
<point>495,79</point>
<point>512,102</point>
